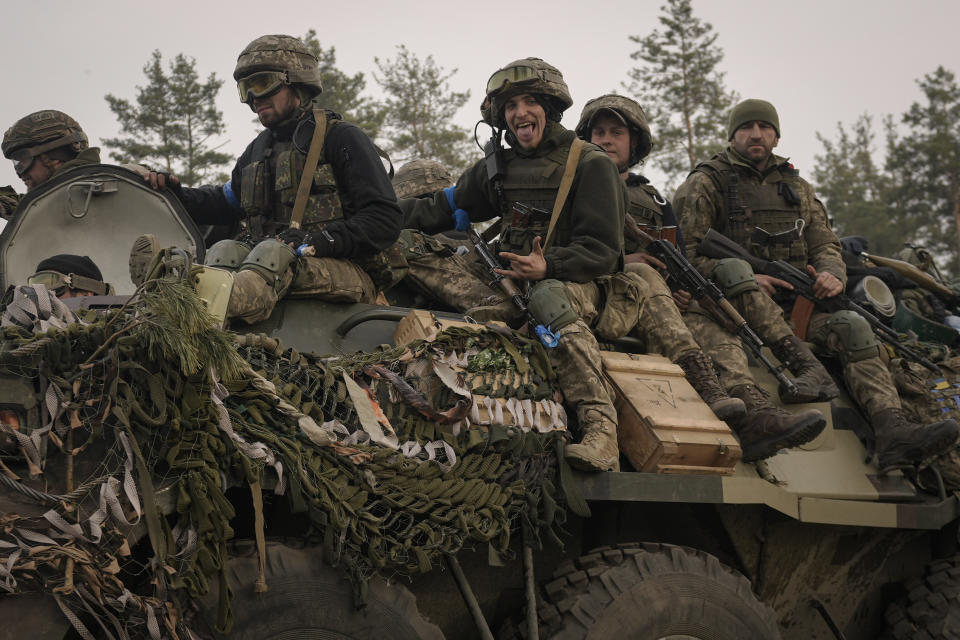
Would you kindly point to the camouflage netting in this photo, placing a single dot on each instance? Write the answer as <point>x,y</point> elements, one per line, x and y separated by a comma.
<point>395,457</point>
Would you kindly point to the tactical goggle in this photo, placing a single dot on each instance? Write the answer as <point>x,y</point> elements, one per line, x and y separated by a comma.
<point>261,84</point>
<point>23,158</point>
<point>60,282</point>
<point>512,75</point>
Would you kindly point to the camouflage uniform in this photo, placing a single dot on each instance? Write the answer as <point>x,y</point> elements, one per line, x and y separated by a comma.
<point>586,245</point>
<point>728,194</point>
<point>350,218</point>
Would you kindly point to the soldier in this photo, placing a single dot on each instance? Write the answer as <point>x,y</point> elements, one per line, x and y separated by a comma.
<point>70,276</point>
<point>759,200</point>
<point>41,145</point>
<point>619,126</point>
<point>561,205</point>
<point>337,221</point>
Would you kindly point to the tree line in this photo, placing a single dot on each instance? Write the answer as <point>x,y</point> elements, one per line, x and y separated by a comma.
<point>173,124</point>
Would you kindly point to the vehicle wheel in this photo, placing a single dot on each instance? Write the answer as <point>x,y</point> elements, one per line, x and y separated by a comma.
<point>308,600</point>
<point>930,610</point>
<point>652,591</point>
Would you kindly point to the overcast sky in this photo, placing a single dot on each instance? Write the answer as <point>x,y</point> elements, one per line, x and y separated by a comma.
<point>818,61</point>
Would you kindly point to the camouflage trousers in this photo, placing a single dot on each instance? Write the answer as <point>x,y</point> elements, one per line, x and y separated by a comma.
<point>660,326</point>
<point>868,380</point>
<point>253,298</point>
<point>576,359</point>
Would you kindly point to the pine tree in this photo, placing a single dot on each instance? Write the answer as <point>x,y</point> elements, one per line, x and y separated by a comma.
<point>925,166</point>
<point>681,89</point>
<point>171,125</point>
<point>419,107</point>
<point>855,190</point>
<point>342,93</point>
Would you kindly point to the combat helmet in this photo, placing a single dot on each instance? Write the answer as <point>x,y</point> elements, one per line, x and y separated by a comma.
<point>420,177</point>
<point>528,75</point>
<point>271,60</point>
<point>39,132</point>
<point>626,110</point>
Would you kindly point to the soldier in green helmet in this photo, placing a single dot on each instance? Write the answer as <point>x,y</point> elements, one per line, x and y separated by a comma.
<point>759,200</point>
<point>421,177</point>
<point>619,126</point>
<point>41,145</point>
<point>322,236</point>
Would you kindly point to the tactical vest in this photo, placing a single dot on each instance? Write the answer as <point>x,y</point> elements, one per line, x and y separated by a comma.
<point>268,185</point>
<point>766,218</point>
<point>533,182</point>
<point>646,209</point>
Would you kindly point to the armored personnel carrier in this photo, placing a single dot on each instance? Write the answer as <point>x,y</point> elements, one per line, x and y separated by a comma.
<point>299,526</point>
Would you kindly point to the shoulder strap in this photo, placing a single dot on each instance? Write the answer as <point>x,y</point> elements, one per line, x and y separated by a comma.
<point>309,167</point>
<point>573,159</point>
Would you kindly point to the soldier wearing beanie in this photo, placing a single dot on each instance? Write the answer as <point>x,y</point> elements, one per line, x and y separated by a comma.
<point>759,200</point>
<point>70,276</point>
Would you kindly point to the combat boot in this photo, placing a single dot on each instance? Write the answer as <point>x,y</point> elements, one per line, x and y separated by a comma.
<point>598,450</point>
<point>142,256</point>
<point>698,368</point>
<point>812,381</point>
<point>901,442</point>
<point>766,429</point>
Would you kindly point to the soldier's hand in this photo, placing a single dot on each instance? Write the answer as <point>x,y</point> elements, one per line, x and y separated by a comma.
<point>530,267</point>
<point>156,179</point>
<point>644,258</point>
<point>825,285</point>
<point>682,298</point>
<point>769,284</point>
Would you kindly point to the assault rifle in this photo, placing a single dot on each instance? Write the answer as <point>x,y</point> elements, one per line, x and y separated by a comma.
<point>717,245</point>
<point>685,276</point>
<point>507,285</point>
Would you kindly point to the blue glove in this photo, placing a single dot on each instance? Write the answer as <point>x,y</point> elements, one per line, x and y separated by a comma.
<point>461,219</point>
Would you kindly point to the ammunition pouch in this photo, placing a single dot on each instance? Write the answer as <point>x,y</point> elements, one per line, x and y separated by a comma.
<point>270,259</point>
<point>226,254</point>
<point>734,276</point>
<point>550,304</point>
<point>855,336</point>
<point>621,308</point>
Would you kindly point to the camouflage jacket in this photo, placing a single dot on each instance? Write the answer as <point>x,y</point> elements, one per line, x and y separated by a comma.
<point>588,240</point>
<point>370,221</point>
<point>648,209</point>
<point>701,204</point>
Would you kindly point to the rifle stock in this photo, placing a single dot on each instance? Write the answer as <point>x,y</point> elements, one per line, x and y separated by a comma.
<point>911,272</point>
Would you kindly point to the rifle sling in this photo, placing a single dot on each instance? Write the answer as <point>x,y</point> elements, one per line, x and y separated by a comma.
<point>573,159</point>
<point>309,167</point>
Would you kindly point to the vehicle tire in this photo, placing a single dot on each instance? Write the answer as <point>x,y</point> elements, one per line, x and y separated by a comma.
<point>309,600</point>
<point>930,609</point>
<point>651,591</point>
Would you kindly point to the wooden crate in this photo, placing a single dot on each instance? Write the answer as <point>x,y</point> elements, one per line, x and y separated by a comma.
<point>665,427</point>
<point>423,325</point>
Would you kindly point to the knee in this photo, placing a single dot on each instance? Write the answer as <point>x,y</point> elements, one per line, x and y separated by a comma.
<point>226,254</point>
<point>853,335</point>
<point>550,304</point>
<point>270,259</point>
<point>734,276</point>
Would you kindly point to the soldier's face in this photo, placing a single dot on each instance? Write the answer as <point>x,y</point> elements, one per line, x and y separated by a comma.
<point>755,141</point>
<point>276,107</point>
<point>612,136</point>
<point>526,119</point>
<point>37,174</point>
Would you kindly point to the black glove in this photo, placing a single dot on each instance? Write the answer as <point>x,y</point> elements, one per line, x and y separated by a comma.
<point>295,237</point>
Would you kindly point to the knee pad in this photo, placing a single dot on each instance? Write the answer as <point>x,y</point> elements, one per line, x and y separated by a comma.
<point>734,276</point>
<point>855,335</point>
<point>550,305</point>
<point>226,254</point>
<point>270,259</point>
